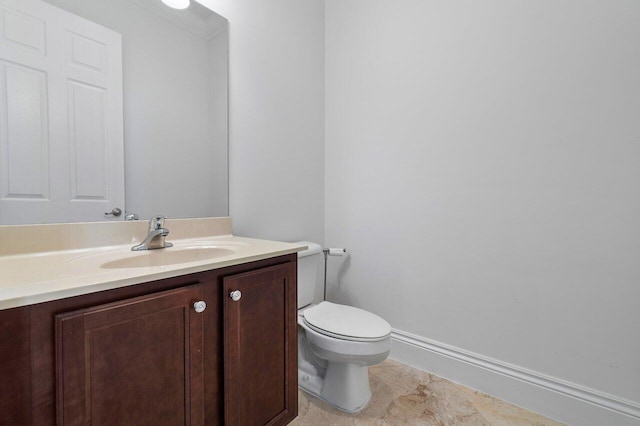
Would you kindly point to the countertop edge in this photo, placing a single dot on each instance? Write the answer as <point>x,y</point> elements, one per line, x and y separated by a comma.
<point>57,294</point>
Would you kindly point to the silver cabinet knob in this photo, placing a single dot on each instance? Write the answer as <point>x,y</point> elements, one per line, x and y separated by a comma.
<point>200,306</point>
<point>235,295</point>
<point>115,212</point>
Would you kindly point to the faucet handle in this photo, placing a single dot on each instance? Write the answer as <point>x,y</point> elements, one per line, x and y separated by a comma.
<point>156,222</point>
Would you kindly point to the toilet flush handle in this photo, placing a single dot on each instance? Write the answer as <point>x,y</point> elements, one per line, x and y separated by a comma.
<point>235,295</point>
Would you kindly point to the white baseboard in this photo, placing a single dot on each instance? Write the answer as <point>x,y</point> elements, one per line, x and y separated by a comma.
<point>552,397</point>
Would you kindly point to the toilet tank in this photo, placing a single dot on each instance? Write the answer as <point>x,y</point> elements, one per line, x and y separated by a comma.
<point>308,264</point>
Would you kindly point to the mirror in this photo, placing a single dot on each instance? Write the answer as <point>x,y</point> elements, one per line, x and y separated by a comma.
<point>173,118</point>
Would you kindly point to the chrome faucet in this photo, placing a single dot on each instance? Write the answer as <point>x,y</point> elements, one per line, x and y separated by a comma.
<point>155,237</point>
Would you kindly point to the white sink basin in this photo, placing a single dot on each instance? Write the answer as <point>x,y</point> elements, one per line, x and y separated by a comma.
<point>167,256</point>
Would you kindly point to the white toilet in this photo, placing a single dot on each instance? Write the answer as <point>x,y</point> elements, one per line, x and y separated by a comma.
<point>336,343</point>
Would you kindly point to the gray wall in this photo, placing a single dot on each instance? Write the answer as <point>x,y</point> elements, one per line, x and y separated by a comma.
<point>276,117</point>
<point>483,168</point>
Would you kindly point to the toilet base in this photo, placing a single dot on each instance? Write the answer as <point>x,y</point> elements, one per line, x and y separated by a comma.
<point>336,370</point>
<point>344,386</point>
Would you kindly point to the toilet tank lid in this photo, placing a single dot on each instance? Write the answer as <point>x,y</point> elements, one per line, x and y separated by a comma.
<point>313,248</point>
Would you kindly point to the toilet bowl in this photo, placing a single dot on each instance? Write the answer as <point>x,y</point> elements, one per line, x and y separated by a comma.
<point>336,343</point>
<point>334,366</point>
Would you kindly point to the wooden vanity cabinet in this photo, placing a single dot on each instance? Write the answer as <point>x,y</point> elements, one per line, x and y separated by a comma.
<point>260,312</point>
<point>142,355</point>
<point>134,362</point>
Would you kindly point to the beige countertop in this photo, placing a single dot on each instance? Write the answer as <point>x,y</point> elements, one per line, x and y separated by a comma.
<point>41,271</point>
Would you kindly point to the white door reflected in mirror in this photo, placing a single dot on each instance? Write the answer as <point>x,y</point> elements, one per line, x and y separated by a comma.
<point>173,112</point>
<point>62,151</point>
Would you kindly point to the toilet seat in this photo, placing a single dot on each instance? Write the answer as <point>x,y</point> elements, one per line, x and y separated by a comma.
<point>346,322</point>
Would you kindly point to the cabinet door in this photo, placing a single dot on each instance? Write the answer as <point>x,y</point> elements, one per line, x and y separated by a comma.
<point>134,362</point>
<point>260,347</point>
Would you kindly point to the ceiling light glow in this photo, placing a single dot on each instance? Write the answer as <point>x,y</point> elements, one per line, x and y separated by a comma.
<point>177,4</point>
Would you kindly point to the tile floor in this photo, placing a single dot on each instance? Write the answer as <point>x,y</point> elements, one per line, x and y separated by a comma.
<point>403,395</point>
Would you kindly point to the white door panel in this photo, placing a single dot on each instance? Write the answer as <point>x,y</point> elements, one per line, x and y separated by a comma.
<point>24,139</point>
<point>61,116</point>
<point>22,30</point>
